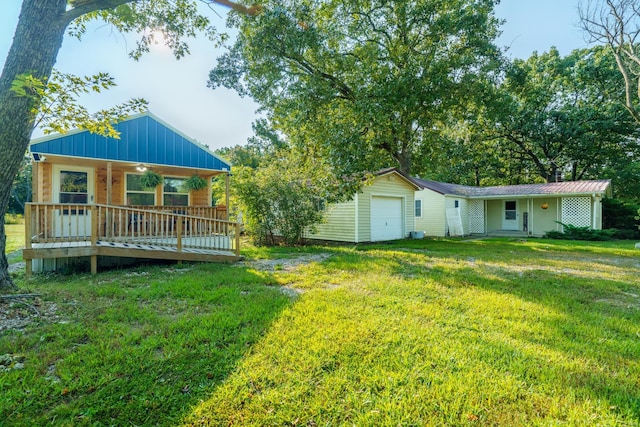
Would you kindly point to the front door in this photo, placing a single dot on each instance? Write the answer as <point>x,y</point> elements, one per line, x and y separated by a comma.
<point>510,215</point>
<point>73,186</point>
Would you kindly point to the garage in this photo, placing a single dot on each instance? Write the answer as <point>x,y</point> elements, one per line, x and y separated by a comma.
<point>386,218</point>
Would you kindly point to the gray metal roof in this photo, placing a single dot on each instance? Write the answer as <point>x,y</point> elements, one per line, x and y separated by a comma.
<point>552,188</point>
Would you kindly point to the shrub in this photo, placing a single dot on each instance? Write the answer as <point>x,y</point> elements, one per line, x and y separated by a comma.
<point>620,215</point>
<point>572,232</point>
<point>279,201</point>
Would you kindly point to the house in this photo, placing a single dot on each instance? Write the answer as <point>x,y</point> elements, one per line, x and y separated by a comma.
<point>382,210</point>
<point>90,201</point>
<point>531,210</point>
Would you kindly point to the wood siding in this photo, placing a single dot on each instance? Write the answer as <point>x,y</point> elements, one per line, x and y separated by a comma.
<point>43,184</point>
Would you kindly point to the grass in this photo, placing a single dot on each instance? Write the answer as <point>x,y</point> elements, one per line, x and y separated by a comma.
<point>433,332</point>
<point>15,235</point>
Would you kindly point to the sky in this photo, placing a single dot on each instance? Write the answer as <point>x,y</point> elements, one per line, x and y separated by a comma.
<point>177,91</point>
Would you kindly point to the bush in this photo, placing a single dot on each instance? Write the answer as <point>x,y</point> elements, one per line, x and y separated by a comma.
<point>620,215</point>
<point>279,201</point>
<point>572,232</point>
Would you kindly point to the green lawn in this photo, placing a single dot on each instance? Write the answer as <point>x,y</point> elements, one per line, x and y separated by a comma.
<point>433,332</point>
<point>15,236</point>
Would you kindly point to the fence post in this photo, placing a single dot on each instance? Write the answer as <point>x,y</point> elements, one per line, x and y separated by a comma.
<point>94,239</point>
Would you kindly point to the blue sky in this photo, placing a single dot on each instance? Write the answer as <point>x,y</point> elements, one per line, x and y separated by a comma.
<point>177,92</point>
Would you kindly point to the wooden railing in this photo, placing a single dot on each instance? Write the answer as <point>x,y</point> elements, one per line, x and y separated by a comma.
<point>55,222</point>
<point>215,212</point>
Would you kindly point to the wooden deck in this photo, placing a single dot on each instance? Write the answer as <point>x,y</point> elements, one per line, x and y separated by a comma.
<point>70,231</point>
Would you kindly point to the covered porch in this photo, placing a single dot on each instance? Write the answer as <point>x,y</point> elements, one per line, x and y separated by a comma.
<point>146,194</point>
<point>58,231</point>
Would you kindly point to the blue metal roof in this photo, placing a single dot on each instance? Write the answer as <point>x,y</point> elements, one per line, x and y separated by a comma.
<point>143,139</point>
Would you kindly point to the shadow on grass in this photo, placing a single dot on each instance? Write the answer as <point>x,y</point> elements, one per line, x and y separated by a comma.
<point>556,329</point>
<point>135,347</point>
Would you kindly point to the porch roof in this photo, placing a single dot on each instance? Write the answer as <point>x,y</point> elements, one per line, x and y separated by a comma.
<point>144,139</point>
<point>602,187</point>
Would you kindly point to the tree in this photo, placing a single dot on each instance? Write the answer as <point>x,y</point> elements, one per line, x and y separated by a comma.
<point>560,117</point>
<point>283,198</point>
<point>365,81</point>
<point>37,40</point>
<point>616,24</point>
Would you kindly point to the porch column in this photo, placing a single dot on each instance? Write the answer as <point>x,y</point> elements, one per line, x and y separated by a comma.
<point>35,173</point>
<point>109,184</point>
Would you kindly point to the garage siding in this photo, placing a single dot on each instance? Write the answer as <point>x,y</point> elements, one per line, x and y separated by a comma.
<point>339,223</point>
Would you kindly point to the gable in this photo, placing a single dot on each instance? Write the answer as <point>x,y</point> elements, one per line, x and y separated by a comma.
<point>144,139</point>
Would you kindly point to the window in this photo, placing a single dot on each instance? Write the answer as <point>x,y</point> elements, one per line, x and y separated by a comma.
<point>418,208</point>
<point>137,195</point>
<point>73,187</point>
<point>175,193</point>
<point>456,204</point>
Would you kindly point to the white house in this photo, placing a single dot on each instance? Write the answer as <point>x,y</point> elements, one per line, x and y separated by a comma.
<point>443,209</point>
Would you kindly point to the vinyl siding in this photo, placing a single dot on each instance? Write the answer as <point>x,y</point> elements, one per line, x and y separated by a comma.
<point>339,223</point>
<point>494,215</point>
<point>433,221</point>
<point>543,220</point>
<point>340,219</point>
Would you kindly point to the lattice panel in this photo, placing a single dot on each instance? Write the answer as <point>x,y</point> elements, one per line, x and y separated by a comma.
<point>476,216</point>
<point>576,211</point>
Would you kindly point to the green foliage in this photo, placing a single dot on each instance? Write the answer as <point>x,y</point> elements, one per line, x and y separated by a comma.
<point>56,102</point>
<point>572,232</point>
<point>166,21</point>
<point>280,200</point>
<point>21,188</point>
<point>151,179</point>
<point>365,83</point>
<point>195,183</point>
<point>620,216</point>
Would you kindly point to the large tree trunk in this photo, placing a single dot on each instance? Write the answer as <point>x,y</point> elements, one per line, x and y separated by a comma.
<point>36,43</point>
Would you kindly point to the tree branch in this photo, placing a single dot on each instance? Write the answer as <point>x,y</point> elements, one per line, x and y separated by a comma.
<point>82,7</point>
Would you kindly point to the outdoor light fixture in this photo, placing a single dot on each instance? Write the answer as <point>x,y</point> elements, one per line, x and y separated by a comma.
<point>544,205</point>
<point>141,168</point>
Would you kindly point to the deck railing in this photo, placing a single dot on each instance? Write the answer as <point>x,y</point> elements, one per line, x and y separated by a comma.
<point>56,222</point>
<point>215,212</point>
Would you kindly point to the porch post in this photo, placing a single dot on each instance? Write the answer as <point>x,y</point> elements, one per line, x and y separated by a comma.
<point>35,172</point>
<point>94,239</point>
<point>109,184</point>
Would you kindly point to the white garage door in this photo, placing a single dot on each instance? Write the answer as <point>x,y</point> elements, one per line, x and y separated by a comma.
<point>386,218</point>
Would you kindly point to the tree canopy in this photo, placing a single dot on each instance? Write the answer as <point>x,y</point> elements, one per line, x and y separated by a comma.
<point>366,81</point>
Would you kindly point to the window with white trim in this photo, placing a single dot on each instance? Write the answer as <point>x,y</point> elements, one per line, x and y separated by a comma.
<point>137,194</point>
<point>174,192</point>
<point>418,208</point>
